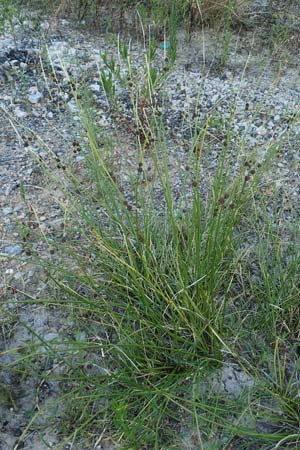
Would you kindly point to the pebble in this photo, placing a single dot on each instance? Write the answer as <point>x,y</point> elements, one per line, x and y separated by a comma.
<point>95,87</point>
<point>18,276</point>
<point>18,207</point>
<point>72,106</point>
<point>19,113</point>
<point>13,250</point>
<point>51,336</point>
<point>8,210</point>
<point>35,96</point>
<point>37,113</point>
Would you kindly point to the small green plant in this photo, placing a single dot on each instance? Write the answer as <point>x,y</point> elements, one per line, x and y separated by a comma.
<point>123,49</point>
<point>154,77</point>
<point>173,30</point>
<point>227,31</point>
<point>152,50</point>
<point>8,322</point>
<point>280,34</point>
<point>109,63</point>
<point>159,12</point>
<point>279,286</point>
<point>7,396</point>
<point>108,83</point>
<point>10,14</point>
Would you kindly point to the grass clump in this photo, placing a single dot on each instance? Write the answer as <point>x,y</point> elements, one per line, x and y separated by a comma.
<point>150,284</point>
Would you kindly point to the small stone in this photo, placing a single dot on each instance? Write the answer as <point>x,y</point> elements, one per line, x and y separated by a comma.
<point>95,87</point>
<point>51,336</point>
<point>261,131</point>
<point>13,250</point>
<point>19,113</point>
<point>72,106</point>
<point>18,276</point>
<point>72,52</point>
<point>37,113</point>
<point>6,211</point>
<point>103,122</point>
<point>35,96</point>
<point>45,26</point>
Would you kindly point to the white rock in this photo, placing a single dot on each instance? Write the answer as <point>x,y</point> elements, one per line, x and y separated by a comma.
<point>103,122</point>
<point>51,336</point>
<point>45,26</point>
<point>72,52</point>
<point>95,87</point>
<point>13,250</point>
<point>19,113</point>
<point>18,276</point>
<point>72,105</point>
<point>7,210</point>
<point>37,113</point>
<point>35,95</point>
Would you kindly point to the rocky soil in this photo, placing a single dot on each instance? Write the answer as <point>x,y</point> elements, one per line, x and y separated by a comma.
<point>39,121</point>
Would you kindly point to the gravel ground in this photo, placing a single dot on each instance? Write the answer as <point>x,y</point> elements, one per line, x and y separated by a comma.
<point>35,109</point>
